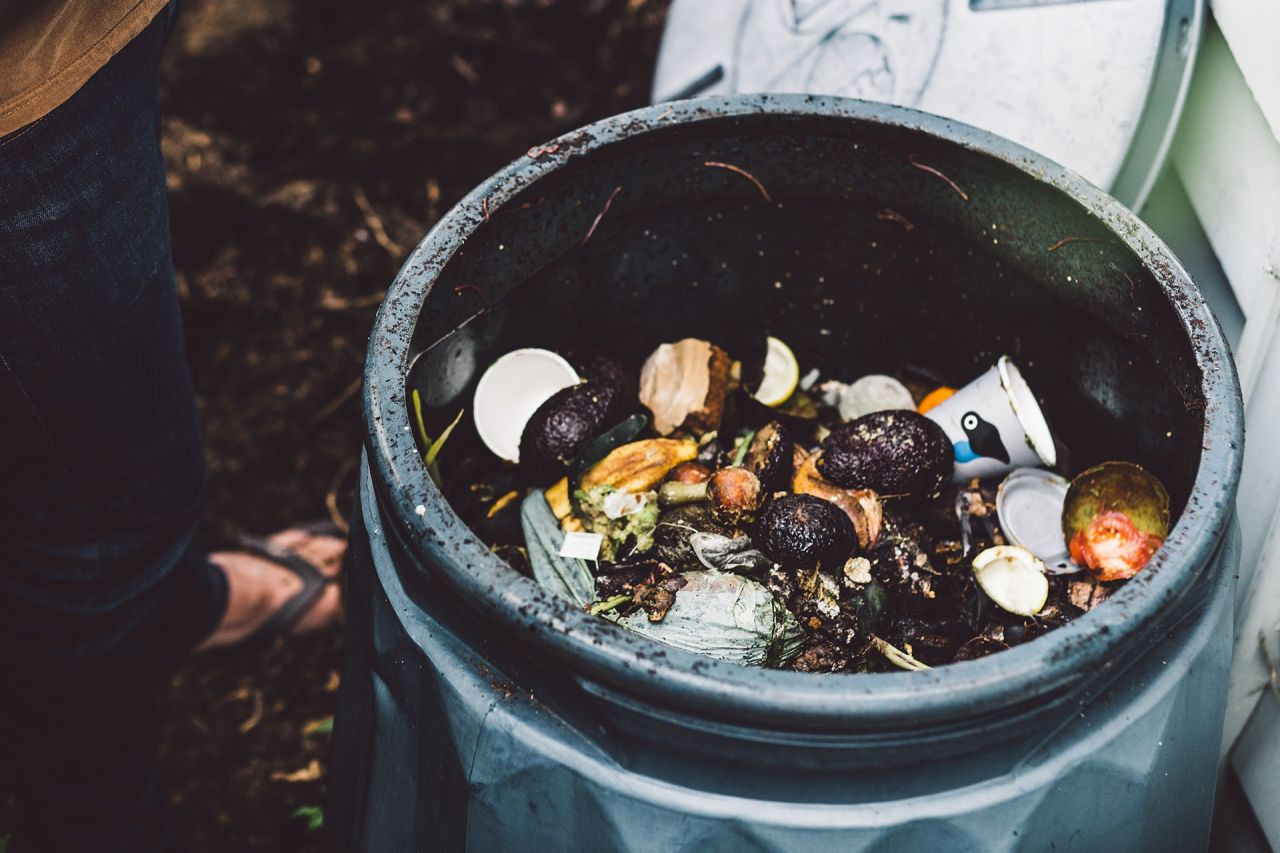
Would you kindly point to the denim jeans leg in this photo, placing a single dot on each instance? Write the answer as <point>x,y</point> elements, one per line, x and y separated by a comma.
<point>101,467</point>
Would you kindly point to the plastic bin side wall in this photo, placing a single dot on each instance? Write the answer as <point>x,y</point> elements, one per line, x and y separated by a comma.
<point>452,755</point>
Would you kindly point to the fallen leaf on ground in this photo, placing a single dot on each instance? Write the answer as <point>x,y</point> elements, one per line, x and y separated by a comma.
<point>321,726</point>
<point>253,694</point>
<point>310,773</point>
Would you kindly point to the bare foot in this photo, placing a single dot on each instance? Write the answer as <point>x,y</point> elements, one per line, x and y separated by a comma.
<point>258,587</point>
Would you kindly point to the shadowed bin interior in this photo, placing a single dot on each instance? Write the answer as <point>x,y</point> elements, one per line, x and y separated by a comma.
<point>870,239</point>
<point>880,250</point>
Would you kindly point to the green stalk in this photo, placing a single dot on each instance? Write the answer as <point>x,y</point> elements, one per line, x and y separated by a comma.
<point>608,604</point>
<point>678,494</point>
<point>434,450</point>
<point>432,447</point>
<point>417,417</point>
<point>743,448</point>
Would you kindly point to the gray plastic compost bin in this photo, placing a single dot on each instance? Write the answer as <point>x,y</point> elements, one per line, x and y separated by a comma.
<point>478,711</point>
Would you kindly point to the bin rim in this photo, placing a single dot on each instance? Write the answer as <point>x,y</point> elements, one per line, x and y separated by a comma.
<point>1043,668</point>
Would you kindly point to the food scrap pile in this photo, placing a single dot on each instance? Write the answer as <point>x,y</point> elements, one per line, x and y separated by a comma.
<point>733,508</point>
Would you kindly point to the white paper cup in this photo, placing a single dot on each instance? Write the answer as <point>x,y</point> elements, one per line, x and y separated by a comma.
<point>995,425</point>
<point>511,390</point>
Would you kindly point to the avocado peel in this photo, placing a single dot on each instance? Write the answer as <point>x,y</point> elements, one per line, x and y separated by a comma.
<point>1114,518</point>
<point>895,452</point>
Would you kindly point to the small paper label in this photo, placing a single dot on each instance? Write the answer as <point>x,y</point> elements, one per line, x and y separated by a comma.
<point>582,546</point>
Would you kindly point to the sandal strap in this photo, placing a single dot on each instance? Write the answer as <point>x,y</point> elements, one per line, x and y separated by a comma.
<point>313,586</point>
<point>322,527</point>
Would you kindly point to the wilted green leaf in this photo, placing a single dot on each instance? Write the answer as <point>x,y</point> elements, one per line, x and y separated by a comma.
<point>433,446</point>
<point>727,617</point>
<point>543,538</point>
<point>417,418</point>
<point>322,726</point>
<point>434,450</point>
<point>314,816</point>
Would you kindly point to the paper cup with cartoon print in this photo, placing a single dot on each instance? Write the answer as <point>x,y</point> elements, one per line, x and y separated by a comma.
<point>995,425</point>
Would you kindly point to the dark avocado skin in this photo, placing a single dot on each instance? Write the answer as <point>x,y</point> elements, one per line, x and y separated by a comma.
<point>771,457</point>
<point>562,426</point>
<point>515,558</point>
<point>898,452</point>
<point>799,531</point>
<point>607,370</point>
<point>675,526</point>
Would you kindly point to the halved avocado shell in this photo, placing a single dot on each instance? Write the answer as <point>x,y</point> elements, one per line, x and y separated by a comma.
<point>1116,487</point>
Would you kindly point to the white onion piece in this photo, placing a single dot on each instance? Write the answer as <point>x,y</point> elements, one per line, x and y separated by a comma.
<point>1013,578</point>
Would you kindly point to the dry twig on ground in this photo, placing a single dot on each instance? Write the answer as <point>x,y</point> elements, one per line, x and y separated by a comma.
<point>376,227</point>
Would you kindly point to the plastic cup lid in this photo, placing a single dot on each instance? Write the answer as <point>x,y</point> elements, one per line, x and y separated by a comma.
<point>511,390</point>
<point>1029,504</point>
<point>874,393</point>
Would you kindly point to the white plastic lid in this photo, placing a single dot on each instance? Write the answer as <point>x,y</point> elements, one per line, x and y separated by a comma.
<point>874,393</point>
<point>511,390</point>
<point>1029,504</point>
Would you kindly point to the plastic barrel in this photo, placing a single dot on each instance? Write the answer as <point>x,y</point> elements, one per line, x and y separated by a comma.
<point>480,712</point>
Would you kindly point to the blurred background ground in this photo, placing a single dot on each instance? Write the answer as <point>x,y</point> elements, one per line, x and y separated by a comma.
<point>310,145</point>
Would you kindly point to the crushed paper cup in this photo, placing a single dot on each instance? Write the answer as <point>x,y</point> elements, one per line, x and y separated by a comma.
<point>995,425</point>
<point>1029,505</point>
<point>511,390</point>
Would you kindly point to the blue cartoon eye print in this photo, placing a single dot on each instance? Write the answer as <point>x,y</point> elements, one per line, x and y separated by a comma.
<point>983,440</point>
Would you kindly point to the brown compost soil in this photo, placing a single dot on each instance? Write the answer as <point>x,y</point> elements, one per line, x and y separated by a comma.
<point>310,145</point>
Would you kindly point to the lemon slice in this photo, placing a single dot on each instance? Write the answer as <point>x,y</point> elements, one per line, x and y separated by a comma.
<point>1013,578</point>
<point>781,374</point>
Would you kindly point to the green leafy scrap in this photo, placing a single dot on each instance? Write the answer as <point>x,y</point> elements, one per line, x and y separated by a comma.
<point>630,534</point>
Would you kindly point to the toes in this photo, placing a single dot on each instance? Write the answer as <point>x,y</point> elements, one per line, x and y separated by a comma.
<point>325,552</point>
<point>323,613</point>
<point>292,538</point>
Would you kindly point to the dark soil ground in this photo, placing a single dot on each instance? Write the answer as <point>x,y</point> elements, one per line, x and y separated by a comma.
<point>310,145</point>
